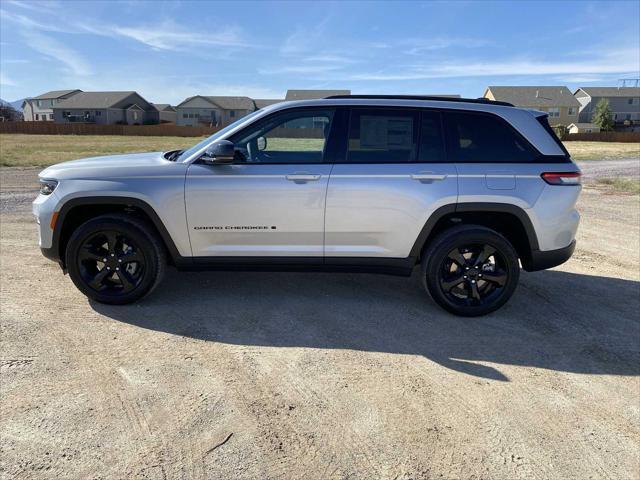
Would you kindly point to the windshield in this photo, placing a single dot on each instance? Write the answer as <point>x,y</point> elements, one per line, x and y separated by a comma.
<point>187,153</point>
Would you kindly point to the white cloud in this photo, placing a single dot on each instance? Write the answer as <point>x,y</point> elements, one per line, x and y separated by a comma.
<point>623,61</point>
<point>52,48</point>
<point>169,36</point>
<point>421,45</point>
<point>163,36</point>
<point>6,81</point>
<point>301,69</point>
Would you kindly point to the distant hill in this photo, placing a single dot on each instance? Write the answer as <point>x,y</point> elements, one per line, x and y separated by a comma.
<point>18,104</point>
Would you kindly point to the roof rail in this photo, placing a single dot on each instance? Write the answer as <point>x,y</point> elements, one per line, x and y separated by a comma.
<point>482,100</point>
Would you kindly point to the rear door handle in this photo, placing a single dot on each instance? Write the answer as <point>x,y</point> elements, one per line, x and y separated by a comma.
<point>303,177</point>
<point>428,176</point>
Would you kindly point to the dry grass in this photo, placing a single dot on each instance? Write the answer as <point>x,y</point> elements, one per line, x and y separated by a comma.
<point>44,150</point>
<point>602,150</point>
<point>622,184</point>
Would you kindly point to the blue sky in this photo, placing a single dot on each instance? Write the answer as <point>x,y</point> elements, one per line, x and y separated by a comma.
<point>170,50</point>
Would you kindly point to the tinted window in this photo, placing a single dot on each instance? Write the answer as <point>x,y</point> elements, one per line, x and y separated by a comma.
<point>289,137</point>
<point>382,136</point>
<point>431,143</point>
<point>484,139</point>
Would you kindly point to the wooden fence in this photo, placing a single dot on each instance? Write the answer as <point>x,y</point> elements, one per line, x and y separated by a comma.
<point>51,128</point>
<point>627,137</point>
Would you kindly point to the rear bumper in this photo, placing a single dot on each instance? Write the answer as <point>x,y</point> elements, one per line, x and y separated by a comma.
<point>543,259</point>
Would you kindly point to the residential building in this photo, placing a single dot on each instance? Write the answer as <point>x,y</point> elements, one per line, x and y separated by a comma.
<point>558,101</point>
<point>40,108</point>
<point>265,102</point>
<point>106,108</point>
<point>167,112</point>
<point>311,94</point>
<point>583,128</point>
<point>624,103</point>
<point>213,111</point>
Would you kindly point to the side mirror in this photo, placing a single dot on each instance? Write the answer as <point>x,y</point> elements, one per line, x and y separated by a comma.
<point>221,152</point>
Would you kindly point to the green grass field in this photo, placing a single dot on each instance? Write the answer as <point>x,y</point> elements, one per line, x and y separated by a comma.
<point>19,150</point>
<point>621,184</point>
<point>602,150</point>
<point>43,150</point>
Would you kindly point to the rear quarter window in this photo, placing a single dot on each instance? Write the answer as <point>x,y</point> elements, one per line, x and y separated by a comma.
<point>484,138</point>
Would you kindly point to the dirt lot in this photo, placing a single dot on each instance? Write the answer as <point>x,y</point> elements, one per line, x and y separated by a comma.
<point>264,375</point>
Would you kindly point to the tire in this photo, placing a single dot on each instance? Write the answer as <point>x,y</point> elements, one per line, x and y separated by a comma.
<point>115,259</point>
<point>470,270</point>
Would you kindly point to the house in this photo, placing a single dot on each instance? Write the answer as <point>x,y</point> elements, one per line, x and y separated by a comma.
<point>106,108</point>
<point>558,101</point>
<point>213,111</point>
<point>312,94</point>
<point>583,128</point>
<point>167,112</point>
<point>40,108</point>
<point>624,103</point>
<point>265,102</point>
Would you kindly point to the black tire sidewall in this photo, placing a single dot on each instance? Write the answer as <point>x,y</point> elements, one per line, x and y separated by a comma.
<point>138,234</point>
<point>458,237</point>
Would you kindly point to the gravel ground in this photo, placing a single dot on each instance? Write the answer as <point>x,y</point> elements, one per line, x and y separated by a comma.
<point>294,375</point>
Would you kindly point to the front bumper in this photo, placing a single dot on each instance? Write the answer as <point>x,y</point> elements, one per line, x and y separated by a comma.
<point>543,259</point>
<point>43,208</point>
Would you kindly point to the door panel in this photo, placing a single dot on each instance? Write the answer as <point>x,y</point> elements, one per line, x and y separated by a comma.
<point>378,210</point>
<point>256,209</point>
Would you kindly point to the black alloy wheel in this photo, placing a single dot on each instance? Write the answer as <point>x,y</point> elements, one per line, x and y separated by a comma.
<point>473,274</point>
<point>115,258</point>
<point>470,270</point>
<point>111,263</point>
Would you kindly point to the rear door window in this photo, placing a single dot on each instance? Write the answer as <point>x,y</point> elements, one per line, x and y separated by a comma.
<point>431,139</point>
<point>382,136</point>
<point>484,138</point>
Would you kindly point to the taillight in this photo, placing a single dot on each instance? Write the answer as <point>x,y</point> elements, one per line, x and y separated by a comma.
<point>562,178</point>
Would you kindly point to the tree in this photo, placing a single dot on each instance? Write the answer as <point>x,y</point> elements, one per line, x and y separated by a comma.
<point>8,113</point>
<point>603,116</point>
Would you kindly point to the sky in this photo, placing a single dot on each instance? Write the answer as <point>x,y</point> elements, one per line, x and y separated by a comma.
<point>168,51</point>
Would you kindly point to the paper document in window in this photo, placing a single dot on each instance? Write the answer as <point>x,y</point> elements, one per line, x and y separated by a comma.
<point>386,133</point>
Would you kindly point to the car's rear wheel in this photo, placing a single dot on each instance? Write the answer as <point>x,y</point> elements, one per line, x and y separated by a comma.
<point>470,270</point>
<point>115,259</point>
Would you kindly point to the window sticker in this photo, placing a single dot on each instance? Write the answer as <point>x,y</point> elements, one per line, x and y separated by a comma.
<point>386,133</point>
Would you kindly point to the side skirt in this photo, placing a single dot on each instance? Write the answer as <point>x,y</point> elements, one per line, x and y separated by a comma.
<point>389,266</point>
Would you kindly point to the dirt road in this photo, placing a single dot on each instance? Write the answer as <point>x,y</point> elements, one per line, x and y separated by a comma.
<point>265,375</point>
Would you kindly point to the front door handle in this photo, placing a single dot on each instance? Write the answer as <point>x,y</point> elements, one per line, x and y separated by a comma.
<point>428,176</point>
<point>303,177</point>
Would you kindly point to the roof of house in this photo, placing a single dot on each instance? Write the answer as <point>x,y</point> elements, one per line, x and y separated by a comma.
<point>312,94</point>
<point>265,102</point>
<point>584,125</point>
<point>226,103</point>
<point>55,94</point>
<point>611,91</point>
<point>95,100</point>
<point>163,107</point>
<point>554,96</point>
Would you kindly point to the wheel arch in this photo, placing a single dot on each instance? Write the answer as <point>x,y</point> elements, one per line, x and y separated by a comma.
<point>509,220</point>
<point>76,211</point>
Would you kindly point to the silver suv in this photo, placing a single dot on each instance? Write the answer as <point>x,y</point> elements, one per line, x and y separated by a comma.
<point>468,190</point>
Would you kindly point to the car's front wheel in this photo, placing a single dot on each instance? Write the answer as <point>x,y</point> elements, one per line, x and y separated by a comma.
<point>115,259</point>
<point>470,270</point>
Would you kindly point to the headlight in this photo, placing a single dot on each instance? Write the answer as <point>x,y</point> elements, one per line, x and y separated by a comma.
<point>47,186</point>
